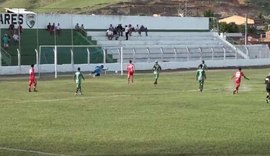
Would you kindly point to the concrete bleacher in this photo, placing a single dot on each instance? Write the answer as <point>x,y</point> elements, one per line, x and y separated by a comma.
<point>255,51</point>
<point>167,46</point>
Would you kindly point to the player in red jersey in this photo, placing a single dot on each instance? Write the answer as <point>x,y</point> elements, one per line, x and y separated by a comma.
<point>32,79</point>
<point>130,70</point>
<point>237,77</point>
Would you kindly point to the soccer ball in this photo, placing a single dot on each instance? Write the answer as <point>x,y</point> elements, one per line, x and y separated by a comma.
<point>116,72</point>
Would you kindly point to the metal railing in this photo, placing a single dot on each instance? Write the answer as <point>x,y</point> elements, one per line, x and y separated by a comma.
<point>5,57</point>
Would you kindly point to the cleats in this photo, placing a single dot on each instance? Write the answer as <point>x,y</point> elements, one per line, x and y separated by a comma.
<point>79,93</point>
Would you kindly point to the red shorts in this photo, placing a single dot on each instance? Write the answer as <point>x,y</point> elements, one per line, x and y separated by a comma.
<point>32,82</point>
<point>130,74</point>
<point>237,85</point>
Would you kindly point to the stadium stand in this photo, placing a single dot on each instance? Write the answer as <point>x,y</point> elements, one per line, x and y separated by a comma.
<point>168,46</point>
<point>255,51</point>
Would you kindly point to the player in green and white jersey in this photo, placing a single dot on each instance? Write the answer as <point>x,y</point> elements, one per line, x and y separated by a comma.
<point>156,69</point>
<point>200,77</point>
<point>78,79</point>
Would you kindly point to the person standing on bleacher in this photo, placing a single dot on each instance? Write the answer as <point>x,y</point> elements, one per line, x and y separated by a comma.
<point>126,31</point>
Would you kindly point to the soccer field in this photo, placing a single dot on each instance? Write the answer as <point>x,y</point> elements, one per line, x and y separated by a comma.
<point>113,118</point>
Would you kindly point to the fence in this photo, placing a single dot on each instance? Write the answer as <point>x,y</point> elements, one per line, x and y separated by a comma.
<point>48,59</point>
<point>93,54</point>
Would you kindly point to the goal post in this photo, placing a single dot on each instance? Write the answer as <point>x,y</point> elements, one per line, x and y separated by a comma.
<point>60,59</point>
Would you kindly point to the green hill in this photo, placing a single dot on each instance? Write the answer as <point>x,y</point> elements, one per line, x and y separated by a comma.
<point>75,6</point>
<point>142,7</point>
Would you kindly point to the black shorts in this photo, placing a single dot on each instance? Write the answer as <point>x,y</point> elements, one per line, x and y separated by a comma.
<point>268,90</point>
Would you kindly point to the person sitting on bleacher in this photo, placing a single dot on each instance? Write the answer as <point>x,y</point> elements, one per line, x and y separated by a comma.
<point>77,27</point>
<point>142,28</point>
<point>11,28</point>
<point>131,29</point>
<point>15,38</point>
<point>52,28</point>
<point>49,27</point>
<point>119,30</point>
<point>111,27</point>
<point>82,27</point>
<point>97,71</point>
<point>109,34</point>
<point>115,34</point>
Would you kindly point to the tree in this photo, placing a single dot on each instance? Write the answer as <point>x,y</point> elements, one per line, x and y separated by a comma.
<point>208,13</point>
<point>230,28</point>
<point>212,19</point>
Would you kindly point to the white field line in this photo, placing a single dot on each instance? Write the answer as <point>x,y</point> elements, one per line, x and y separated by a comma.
<point>67,99</point>
<point>31,151</point>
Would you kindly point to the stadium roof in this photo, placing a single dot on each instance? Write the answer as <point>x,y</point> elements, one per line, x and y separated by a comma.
<point>238,20</point>
<point>18,11</point>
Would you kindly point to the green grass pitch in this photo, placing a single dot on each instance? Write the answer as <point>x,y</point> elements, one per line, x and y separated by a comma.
<point>112,118</point>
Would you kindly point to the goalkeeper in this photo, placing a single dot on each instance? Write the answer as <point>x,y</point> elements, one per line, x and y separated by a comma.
<point>156,69</point>
<point>97,71</point>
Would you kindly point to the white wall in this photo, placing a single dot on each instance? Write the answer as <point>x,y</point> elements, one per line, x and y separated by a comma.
<point>12,70</point>
<point>68,21</point>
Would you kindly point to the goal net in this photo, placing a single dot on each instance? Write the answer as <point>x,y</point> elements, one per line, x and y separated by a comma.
<point>60,60</point>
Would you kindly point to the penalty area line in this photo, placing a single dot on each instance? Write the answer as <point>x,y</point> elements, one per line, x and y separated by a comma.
<point>30,151</point>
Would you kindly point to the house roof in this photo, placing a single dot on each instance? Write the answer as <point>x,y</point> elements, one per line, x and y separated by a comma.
<point>238,20</point>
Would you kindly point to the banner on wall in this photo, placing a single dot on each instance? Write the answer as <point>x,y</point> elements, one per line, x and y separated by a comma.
<point>26,20</point>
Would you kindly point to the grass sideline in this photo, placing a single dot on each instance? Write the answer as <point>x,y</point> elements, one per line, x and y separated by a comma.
<point>112,118</point>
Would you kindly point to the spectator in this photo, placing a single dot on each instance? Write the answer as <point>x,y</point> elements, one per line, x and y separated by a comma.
<point>5,41</point>
<point>82,27</point>
<point>15,38</point>
<point>11,28</point>
<point>52,28</point>
<point>130,29</point>
<point>126,31</point>
<point>77,27</point>
<point>109,34</point>
<point>119,29</point>
<point>111,27</point>
<point>115,34</point>
<point>49,27</point>
<point>146,31</point>
<point>58,29</point>
<point>138,29</point>
<point>142,28</point>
